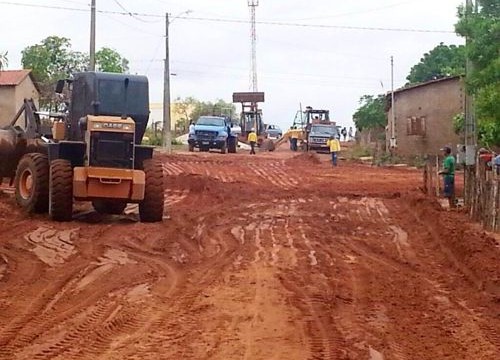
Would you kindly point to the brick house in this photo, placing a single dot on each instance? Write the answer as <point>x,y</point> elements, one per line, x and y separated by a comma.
<point>15,86</point>
<point>424,116</point>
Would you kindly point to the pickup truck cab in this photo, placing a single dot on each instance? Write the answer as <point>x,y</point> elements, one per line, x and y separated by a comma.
<point>319,135</point>
<point>273,131</point>
<point>210,132</point>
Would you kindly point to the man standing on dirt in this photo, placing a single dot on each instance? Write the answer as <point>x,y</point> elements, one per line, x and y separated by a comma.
<point>351,137</point>
<point>448,173</point>
<point>334,145</point>
<point>294,139</point>
<point>252,139</point>
<point>344,133</point>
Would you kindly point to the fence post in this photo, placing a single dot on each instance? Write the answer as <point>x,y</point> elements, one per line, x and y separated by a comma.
<point>436,172</point>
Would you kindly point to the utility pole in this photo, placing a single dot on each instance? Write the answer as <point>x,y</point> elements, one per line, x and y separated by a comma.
<point>167,131</point>
<point>92,35</point>
<point>393,108</point>
<point>470,123</point>
<point>253,5</point>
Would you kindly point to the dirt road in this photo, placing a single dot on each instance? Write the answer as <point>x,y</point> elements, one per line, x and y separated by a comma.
<point>258,258</point>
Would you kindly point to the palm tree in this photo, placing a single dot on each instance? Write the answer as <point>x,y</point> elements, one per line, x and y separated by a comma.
<point>3,60</point>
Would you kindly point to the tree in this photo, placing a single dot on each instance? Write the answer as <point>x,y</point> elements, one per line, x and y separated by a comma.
<point>440,62</point>
<point>371,113</point>
<point>483,48</point>
<point>3,60</point>
<point>109,60</point>
<point>53,59</point>
<point>191,109</point>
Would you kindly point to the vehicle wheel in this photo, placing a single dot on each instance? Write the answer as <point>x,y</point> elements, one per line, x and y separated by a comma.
<point>32,183</point>
<point>223,149</point>
<point>151,207</point>
<point>61,190</point>
<point>191,147</point>
<point>110,207</point>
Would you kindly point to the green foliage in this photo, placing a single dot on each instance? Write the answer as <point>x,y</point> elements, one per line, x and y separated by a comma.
<point>152,138</point>
<point>109,60</point>
<point>190,109</point>
<point>218,108</point>
<point>440,62</point>
<point>459,123</point>
<point>53,59</point>
<point>371,113</point>
<point>359,151</point>
<point>3,60</point>
<point>482,30</point>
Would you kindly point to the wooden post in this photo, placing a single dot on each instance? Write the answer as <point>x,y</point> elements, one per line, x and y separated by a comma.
<point>438,187</point>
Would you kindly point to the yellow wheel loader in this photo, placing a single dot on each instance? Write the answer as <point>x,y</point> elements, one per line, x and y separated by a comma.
<point>92,153</point>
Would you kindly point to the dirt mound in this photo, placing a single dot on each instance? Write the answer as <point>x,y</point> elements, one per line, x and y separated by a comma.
<point>194,183</point>
<point>309,157</point>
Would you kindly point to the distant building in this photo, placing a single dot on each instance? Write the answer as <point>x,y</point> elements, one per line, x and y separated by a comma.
<point>424,116</point>
<point>15,86</point>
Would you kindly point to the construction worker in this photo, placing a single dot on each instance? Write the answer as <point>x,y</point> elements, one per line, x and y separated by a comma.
<point>252,139</point>
<point>448,173</point>
<point>334,145</point>
<point>294,139</point>
<point>344,133</point>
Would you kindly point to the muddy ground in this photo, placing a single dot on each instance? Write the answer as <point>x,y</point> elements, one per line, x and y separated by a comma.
<point>265,257</point>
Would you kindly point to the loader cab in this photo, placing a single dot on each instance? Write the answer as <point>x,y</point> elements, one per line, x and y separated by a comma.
<point>106,94</point>
<point>108,115</point>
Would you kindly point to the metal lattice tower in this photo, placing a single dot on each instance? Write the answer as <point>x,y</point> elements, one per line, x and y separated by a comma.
<point>253,5</point>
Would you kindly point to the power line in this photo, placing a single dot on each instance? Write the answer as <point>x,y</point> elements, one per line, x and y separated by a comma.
<point>235,21</point>
<point>132,14</point>
<point>319,26</point>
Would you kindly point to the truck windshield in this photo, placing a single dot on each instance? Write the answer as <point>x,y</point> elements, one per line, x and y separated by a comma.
<point>324,130</point>
<point>210,121</point>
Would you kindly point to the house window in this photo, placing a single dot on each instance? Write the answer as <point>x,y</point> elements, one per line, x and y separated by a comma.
<point>415,126</point>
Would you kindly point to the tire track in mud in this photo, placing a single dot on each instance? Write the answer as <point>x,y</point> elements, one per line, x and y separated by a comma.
<point>278,274</point>
<point>98,325</point>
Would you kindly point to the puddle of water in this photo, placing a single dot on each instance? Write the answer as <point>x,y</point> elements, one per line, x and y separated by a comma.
<point>238,260</point>
<point>51,246</point>
<point>139,292</point>
<point>351,259</point>
<point>312,256</point>
<point>375,355</point>
<point>94,275</point>
<point>114,256</point>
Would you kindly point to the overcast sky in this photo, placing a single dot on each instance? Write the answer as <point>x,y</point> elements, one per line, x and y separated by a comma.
<point>323,67</point>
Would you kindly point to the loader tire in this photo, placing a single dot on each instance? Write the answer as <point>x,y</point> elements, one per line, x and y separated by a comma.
<point>109,207</point>
<point>32,183</point>
<point>61,190</point>
<point>151,207</point>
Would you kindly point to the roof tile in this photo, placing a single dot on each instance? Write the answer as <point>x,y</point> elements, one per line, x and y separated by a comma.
<point>13,77</point>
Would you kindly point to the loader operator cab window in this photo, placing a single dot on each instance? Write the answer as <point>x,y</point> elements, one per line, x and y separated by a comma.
<point>112,97</point>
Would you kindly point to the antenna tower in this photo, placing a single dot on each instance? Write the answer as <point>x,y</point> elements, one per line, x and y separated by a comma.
<point>253,5</point>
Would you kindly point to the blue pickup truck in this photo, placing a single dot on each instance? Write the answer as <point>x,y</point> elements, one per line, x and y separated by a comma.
<point>210,132</point>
